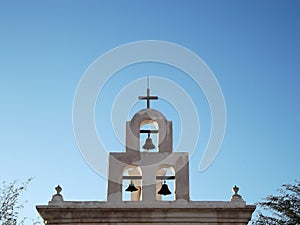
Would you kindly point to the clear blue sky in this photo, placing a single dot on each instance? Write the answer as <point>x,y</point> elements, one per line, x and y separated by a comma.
<point>253,48</point>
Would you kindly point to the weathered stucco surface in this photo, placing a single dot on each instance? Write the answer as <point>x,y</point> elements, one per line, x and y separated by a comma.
<point>198,212</point>
<point>150,210</point>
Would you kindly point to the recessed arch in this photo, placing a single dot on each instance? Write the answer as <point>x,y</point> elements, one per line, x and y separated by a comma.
<point>132,174</point>
<point>168,172</point>
<point>155,118</point>
<point>152,137</point>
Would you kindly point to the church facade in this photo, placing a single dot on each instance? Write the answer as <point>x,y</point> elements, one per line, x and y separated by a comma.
<point>147,184</point>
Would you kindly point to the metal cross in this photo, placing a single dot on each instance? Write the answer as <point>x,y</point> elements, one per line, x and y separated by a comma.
<point>148,97</point>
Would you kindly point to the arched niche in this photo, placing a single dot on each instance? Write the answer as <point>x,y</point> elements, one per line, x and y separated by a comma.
<point>149,116</point>
<point>132,174</point>
<point>149,125</point>
<point>166,174</point>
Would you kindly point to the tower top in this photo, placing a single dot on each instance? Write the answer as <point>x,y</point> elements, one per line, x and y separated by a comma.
<point>148,97</point>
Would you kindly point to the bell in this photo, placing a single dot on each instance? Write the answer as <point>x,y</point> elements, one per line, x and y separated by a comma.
<point>148,143</point>
<point>131,187</point>
<point>164,190</point>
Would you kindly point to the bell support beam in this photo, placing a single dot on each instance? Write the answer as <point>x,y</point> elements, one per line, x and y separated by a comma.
<point>149,131</point>
<point>165,177</point>
<point>140,177</point>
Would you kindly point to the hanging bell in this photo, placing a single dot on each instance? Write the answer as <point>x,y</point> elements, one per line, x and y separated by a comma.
<point>131,187</point>
<point>164,190</point>
<point>148,143</point>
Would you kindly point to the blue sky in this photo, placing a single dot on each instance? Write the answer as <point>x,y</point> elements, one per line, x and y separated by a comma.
<point>252,47</point>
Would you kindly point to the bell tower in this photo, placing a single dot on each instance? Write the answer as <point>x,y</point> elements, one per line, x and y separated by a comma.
<point>148,183</point>
<point>149,171</point>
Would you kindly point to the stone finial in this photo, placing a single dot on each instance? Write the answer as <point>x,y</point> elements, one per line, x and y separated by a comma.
<point>236,196</point>
<point>58,189</point>
<point>235,190</point>
<point>57,198</point>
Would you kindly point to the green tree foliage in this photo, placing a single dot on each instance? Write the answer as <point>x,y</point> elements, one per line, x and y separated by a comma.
<point>9,202</point>
<point>282,209</point>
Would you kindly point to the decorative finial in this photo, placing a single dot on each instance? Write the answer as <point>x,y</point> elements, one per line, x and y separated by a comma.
<point>236,197</point>
<point>235,190</point>
<point>58,189</point>
<point>57,198</point>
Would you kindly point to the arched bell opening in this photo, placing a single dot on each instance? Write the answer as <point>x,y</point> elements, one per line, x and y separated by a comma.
<point>149,136</point>
<point>132,183</point>
<point>165,183</point>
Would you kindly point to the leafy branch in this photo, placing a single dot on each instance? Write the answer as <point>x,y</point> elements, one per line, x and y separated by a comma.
<point>9,202</point>
<point>282,209</point>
